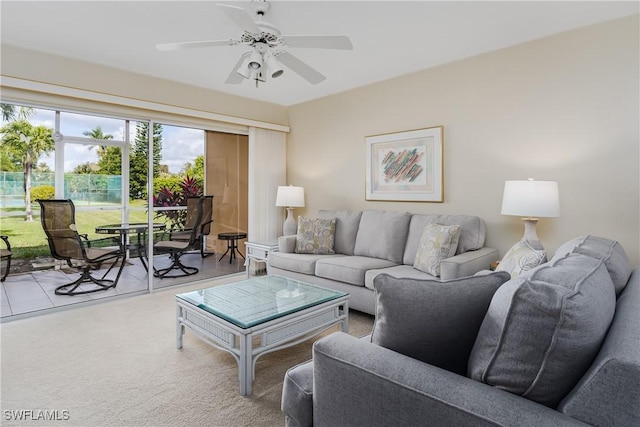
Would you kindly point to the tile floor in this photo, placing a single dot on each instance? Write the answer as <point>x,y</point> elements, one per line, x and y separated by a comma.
<point>28,294</point>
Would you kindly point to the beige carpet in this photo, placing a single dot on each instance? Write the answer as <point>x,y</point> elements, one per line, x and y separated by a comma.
<point>116,364</point>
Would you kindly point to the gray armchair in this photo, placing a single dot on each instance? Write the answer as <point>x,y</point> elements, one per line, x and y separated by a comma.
<point>418,377</point>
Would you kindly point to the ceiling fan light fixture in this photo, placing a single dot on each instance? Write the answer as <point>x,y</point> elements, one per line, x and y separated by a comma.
<point>255,61</point>
<point>275,69</point>
<point>244,70</point>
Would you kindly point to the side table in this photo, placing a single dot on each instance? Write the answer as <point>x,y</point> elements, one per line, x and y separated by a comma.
<point>232,244</point>
<point>258,251</point>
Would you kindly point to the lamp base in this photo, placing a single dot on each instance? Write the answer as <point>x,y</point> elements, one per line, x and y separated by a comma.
<point>290,226</point>
<point>530,232</point>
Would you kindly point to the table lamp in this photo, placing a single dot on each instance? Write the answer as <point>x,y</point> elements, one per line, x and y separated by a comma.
<point>290,197</point>
<point>531,199</point>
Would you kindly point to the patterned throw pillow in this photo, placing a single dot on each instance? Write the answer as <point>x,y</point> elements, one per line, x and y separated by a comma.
<point>438,242</point>
<point>520,258</point>
<point>315,235</point>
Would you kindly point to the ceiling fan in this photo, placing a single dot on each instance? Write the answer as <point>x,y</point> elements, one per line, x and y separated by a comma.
<point>268,44</point>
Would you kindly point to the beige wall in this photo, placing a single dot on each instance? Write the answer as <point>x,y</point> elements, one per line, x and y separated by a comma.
<point>44,68</point>
<point>564,108</point>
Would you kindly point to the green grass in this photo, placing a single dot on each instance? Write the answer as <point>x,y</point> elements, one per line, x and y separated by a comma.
<point>29,241</point>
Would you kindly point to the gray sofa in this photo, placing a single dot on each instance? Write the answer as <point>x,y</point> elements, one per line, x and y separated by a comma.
<point>559,345</point>
<point>371,242</point>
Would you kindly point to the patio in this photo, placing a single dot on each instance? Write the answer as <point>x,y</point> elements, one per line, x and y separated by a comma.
<point>29,294</point>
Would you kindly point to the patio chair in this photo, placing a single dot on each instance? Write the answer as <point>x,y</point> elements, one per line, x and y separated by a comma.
<point>6,254</point>
<point>176,248</point>
<point>205,224</point>
<point>59,224</point>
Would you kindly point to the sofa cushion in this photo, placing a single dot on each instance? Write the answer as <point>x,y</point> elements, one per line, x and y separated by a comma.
<point>399,272</point>
<point>418,317</point>
<point>315,235</point>
<point>544,328</point>
<point>521,257</point>
<point>382,234</point>
<point>472,233</point>
<point>349,269</point>
<point>299,263</point>
<point>438,242</point>
<point>612,252</point>
<point>347,223</point>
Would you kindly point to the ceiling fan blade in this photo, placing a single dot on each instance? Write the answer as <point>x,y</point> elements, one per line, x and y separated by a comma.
<point>234,77</point>
<point>189,45</point>
<point>240,17</point>
<point>296,65</point>
<point>319,42</point>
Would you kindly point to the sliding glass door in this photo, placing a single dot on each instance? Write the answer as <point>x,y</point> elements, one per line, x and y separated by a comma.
<point>122,171</point>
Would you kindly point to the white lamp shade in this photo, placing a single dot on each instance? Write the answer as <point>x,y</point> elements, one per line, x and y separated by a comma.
<point>290,196</point>
<point>531,198</point>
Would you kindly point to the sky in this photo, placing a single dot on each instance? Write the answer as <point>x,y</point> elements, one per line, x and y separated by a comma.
<point>180,145</point>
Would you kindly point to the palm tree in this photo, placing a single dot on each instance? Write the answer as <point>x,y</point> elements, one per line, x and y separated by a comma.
<point>9,112</point>
<point>28,143</point>
<point>96,133</point>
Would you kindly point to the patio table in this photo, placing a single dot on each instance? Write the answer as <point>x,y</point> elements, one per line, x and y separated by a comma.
<point>125,230</point>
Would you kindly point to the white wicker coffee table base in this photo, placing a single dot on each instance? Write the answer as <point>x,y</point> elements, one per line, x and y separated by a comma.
<point>273,335</point>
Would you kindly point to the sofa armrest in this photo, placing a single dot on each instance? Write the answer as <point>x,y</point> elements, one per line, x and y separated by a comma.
<point>297,396</point>
<point>467,264</point>
<point>287,244</point>
<point>357,383</point>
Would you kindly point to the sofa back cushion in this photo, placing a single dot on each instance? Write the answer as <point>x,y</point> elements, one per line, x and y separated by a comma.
<point>347,223</point>
<point>610,251</point>
<point>472,233</point>
<point>383,234</point>
<point>544,328</point>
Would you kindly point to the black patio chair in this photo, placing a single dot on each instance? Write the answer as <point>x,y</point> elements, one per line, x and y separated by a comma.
<point>205,224</point>
<point>175,248</point>
<point>6,254</point>
<point>59,224</point>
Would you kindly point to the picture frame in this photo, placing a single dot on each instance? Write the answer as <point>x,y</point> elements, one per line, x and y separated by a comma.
<point>405,166</point>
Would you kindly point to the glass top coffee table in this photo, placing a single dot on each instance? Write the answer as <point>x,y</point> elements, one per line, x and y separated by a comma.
<point>282,312</point>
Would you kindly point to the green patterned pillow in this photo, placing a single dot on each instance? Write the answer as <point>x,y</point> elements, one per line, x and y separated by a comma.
<point>438,242</point>
<point>521,257</point>
<point>315,235</point>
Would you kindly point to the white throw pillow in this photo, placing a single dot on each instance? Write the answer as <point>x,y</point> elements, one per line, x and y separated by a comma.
<point>438,242</point>
<point>520,258</point>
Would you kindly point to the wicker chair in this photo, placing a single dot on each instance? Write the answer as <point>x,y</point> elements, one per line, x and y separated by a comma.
<point>6,254</point>
<point>59,224</point>
<point>205,223</point>
<point>176,248</point>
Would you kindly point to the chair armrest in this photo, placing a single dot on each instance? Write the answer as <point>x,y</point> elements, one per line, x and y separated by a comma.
<point>359,383</point>
<point>6,242</point>
<point>467,264</point>
<point>204,224</point>
<point>175,230</point>
<point>287,244</point>
<point>99,243</point>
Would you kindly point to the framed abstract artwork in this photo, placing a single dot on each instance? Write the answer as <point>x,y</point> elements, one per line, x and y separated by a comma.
<point>405,166</point>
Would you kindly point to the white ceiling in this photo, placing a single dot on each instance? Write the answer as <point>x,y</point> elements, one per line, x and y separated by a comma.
<point>390,38</point>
